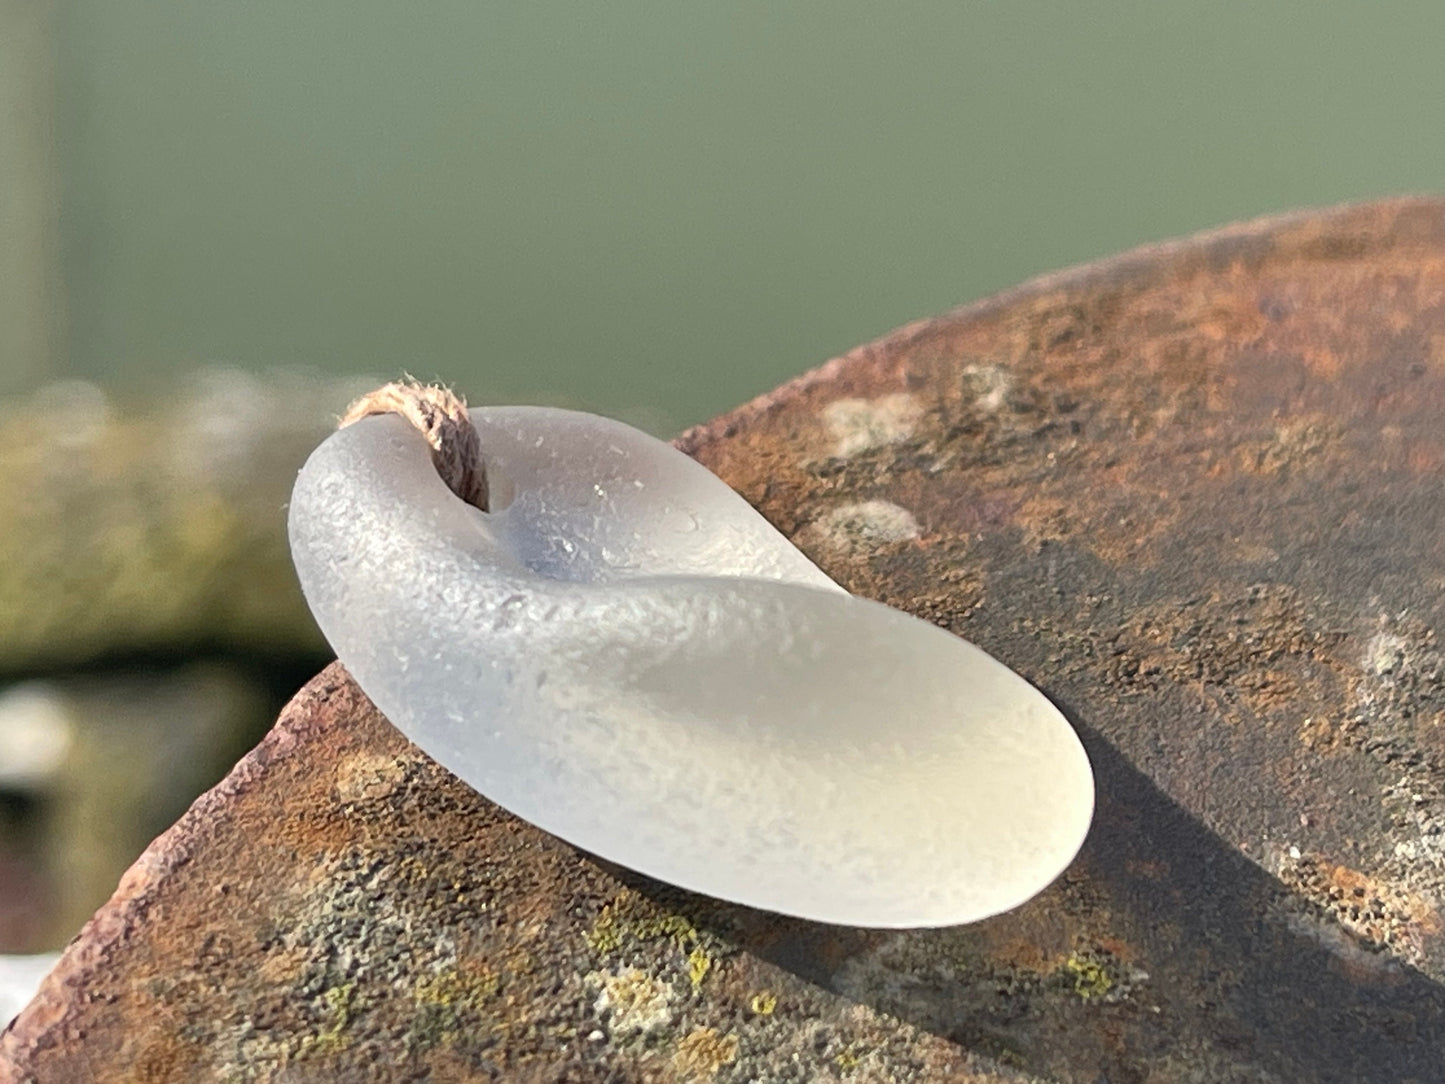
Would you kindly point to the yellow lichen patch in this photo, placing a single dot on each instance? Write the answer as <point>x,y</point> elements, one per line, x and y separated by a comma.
<point>699,963</point>
<point>850,1057</point>
<point>702,1052</point>
<point>632,920</point>
<point>448,999</point>
<point>1090,978</point>
<point>1096,974</point>
<point>764,1002</point>
<point>339,1004</point>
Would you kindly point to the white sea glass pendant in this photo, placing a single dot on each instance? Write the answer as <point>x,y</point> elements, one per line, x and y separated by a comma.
<point>623,652</point>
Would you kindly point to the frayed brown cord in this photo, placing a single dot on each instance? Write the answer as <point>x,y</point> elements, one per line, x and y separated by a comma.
<point>439,415</point>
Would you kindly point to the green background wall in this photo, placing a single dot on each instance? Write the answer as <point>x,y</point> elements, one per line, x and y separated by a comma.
<point>660,210</point>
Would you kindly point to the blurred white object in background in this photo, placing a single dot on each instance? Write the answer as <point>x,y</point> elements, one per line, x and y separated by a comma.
<point>19,979</point>
<point>36,732</point>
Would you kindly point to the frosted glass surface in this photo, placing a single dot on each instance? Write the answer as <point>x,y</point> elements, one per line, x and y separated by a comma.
<point>626,654</point>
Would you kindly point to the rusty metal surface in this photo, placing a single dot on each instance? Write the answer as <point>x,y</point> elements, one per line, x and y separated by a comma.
<point>1193,493</point>
<point>341,908</point>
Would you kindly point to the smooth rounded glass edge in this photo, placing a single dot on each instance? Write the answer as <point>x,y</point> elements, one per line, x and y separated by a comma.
<point>922,920</point>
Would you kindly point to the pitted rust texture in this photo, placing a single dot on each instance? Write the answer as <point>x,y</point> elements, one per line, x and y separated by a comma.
<point>341,908</point>
<point>1193,493</point>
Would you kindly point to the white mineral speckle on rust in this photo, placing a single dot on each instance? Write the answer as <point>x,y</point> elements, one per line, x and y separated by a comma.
<point>1385,653</point>
<point>989,385</point>
<point>860,425</point>
<point>369,776</point>
<point>633,1002</point>
<point>863,525</point>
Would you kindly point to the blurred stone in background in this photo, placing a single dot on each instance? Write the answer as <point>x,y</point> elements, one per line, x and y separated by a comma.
<point>150,623</point>
<point>114,760</point>
<point>158,528</point>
